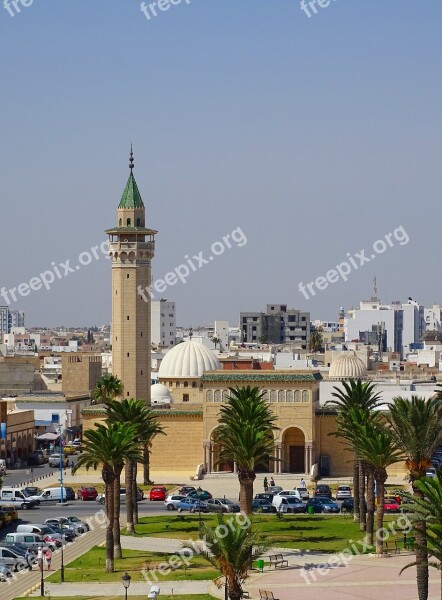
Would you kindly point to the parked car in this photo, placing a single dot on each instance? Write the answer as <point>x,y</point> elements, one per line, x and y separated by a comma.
<point>343,491</point>
<point>290,504</point>
<point>186,489</point>
<point>323,490</point>
<point>69,450</point>
<point>303,493</point>
<point>285,493</point>
<point>87,493</point>
<point>201,495</point>
<point>38,457</point>
<point>322,504</point>
<point>32,491</point>
<point>11,511</point>
<point>159,492</point>
<point>66,532</point>
<point>262,505</point>
<point>13,558</point>
<point>73,523</point>
<point>192,505</point>
<point>5,571</point>
<point>172,501</point>
<point>265,496</point>
<point>223,505</point>
<point>347,505</point>
<point>274,489</point>
<point>391,504</point>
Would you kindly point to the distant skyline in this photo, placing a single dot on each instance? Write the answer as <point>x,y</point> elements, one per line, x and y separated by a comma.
<point>316,137</point>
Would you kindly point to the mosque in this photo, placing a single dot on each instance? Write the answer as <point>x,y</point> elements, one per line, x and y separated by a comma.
<point>192,383</point>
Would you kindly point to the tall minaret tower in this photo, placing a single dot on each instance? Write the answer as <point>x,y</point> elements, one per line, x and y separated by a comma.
<point>131,248</point>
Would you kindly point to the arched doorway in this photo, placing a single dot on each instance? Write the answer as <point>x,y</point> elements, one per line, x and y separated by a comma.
<point>217,467</point>
<point>293,451</point>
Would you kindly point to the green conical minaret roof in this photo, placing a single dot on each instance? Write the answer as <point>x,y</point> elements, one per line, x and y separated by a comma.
<point>131,197</point>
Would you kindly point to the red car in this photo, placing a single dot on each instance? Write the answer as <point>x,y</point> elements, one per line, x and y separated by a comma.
<point>158,493</point>
<point>87,493</point>
<point>391,504</point>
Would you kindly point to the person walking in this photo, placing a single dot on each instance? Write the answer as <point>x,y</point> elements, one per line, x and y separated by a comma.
<point>272,482</point>
<point>29,555</point>
<point>48,557</point>
<point>40,558</point>
<point>266,484</point>
<point>303,484</point>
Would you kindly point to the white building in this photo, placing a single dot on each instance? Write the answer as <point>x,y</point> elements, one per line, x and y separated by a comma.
<point>4,328</point>
<point>163,323</point>
<point>17,318</point>
<point>433,318</point>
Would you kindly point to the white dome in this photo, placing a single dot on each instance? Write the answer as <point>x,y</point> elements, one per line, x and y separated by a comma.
<point>159,394</point>
<point>347,366</point>
<point>188,359</point>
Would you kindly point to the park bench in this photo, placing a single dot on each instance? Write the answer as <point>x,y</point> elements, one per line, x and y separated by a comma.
<point>277,560</point>
<point>266,595</point>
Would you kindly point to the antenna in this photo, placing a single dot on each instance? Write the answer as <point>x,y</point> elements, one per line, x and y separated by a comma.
<point>375,289</point>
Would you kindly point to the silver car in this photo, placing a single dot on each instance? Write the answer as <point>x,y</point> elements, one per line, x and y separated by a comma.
<point>223,505</point>
<point>172,501</point>
<point>73,523</point>
<point>13,558</point>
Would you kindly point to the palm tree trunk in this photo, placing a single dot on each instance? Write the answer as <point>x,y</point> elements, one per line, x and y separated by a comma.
<point>421,554</point>
<point>370,505</point>
<point>362,503</point>
<point>246,479</point>
<point>356,490</point>
<point>380,490</point>
<point>146,456</point>
<point>129,499</point>
<point>109,507</point>
<point>134,494</point>
<point>116,525</point>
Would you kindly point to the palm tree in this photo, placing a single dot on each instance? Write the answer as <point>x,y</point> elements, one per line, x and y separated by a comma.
<point>416,427</point>
<point>231,549</point>
<point>354,395</point>
<point>216,340</point>
<point>429,509</point>
<point>107,388</point>
<point>245,437</point>
<point>375,446</point>
<point>316,343</point>
<point>108,446</point>
<point>151,428</point>
<point>140,415</point>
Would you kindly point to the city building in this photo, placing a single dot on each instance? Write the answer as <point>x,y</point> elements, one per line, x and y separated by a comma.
<point>277,325</point>
<point>4,322</point>
<point>163,323</point>
<point>131,248</point>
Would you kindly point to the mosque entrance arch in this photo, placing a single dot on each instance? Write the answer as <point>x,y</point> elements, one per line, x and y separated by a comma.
<point>293,451</point>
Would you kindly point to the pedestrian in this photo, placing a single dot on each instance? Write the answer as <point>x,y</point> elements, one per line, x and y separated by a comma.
<point>48,557</point>
<point>303,484</point>
<point>40,558</point>
<point>272,482</point>
<point>29,555</point>
<point>266,484</point>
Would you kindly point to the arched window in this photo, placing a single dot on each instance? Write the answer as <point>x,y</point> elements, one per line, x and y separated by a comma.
<point>138,222</point>
<point>297,395</point>
<point>217,396</point>
<point>305,396</point>
<point>265,395</point>
<point>273,396</point>
<point>289,396</point>
<point>194,384</point>
<point>120,222</point>
<point>177,384</point>
<point>281,396</point>
<point>209,396</point>
<point>128,222</point>
<point>226,395</point>
<point>186,384</point>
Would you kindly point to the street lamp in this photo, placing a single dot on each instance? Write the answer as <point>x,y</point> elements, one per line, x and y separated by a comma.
<point>40,564</point>
<point>126,582</point>
<point>61,501</point>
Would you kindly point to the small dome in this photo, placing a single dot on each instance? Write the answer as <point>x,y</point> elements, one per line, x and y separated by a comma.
<point>159,394</point>
<point>347,366</point>
<point>188,359</point>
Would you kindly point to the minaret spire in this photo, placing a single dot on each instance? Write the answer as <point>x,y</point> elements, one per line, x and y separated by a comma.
<point>131,160</point>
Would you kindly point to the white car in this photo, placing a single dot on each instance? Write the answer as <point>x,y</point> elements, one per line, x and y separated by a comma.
<point>294,493</point>
<point>303,492</point>
<point>343,491</point>
<point>172,501</point>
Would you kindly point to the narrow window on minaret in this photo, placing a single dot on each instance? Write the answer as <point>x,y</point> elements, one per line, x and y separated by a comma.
<point>141,334</point>
<point>128,355</point>
<point>127,276</point>
<point>141,372</point>
<point>128,317</point>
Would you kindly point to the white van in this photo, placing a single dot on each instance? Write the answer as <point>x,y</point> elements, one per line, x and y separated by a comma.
<point>54,495</point>
<point>29,540</point>
<point>15,496</point>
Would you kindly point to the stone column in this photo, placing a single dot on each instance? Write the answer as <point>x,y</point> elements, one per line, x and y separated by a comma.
<point>235,467</point>
<point>205,444</point>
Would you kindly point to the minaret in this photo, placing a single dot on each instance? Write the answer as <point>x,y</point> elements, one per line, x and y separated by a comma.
<point>131,248</point>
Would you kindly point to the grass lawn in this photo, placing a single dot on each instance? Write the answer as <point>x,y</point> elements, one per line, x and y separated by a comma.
<point>324,533</point>
<point>91,567</point>
<point>163,597</point>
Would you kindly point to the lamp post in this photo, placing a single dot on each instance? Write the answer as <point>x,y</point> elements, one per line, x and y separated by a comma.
<point>40,564</point>
<point>61,502</point>
<point>126,583</point>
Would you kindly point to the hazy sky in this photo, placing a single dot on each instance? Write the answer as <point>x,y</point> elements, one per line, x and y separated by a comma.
<point>316,136</point>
